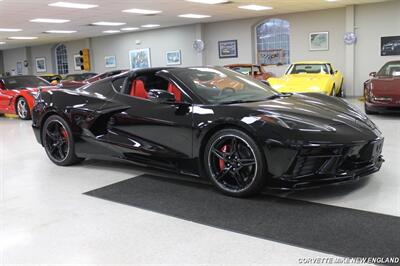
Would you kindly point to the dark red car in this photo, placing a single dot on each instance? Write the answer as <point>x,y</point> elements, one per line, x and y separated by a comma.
<point>75,81</point>
<point>256,71</point>
<point>382,91</point>
<point>18,93</point>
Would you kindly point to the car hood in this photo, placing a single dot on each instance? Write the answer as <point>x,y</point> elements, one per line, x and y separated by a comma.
<point>301,83</point>
<point>317,109</point>
<point>382,87</point>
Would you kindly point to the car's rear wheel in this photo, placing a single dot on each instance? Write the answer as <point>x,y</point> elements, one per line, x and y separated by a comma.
<point>235,163</point>
<point>58,141</point>
<point>23,109</point>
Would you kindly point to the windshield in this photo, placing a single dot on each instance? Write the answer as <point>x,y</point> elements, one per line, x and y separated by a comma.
<point>308,69</point>
<point>220,85</point>
<point>391,69</point>
<point>22,82</point>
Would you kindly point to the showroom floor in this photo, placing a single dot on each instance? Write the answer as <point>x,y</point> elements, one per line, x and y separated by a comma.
<point>46,219</point>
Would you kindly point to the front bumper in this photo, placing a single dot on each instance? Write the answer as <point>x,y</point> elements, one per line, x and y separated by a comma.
<point>321,165</point>
<point>383,107</point>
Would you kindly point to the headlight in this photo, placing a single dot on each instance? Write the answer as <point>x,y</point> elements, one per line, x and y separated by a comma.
<point>295,123</point>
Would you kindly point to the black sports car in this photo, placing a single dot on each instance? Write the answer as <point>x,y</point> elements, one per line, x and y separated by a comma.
<point>210,121</point>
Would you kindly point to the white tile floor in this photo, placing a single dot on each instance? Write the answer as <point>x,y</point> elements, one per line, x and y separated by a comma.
<point>45,219</point>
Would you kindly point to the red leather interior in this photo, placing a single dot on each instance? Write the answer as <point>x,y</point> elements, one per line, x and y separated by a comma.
<point>174,90</point>
<point>138,89</point>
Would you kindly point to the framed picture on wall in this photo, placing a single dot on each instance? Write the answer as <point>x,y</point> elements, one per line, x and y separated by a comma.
<point>390,45</point>
<point>228,49</point>
<point>19,68</point>
<point>139,58</point>
<point>41,65</point>
<point>173,57</point>
<point>319,41</point>
<point>77,62</point>
<point>110,61</point>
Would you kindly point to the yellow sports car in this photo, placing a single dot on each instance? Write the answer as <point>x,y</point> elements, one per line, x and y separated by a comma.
<point>303,77</point>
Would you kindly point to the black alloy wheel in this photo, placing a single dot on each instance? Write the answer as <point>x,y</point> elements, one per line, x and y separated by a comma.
<point>235,164</point>
<point>58,142</point>
<point>23,109</point>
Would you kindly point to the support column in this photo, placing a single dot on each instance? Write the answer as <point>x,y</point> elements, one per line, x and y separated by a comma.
<point>349,73</point>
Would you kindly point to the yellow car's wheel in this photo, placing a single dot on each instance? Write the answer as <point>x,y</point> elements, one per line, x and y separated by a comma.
<point>333,91</point>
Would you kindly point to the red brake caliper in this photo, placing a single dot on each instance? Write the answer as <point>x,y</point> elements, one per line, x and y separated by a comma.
<point>221,162</point>
<point>64,133</point>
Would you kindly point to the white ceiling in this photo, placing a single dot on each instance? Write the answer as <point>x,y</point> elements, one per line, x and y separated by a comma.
<point>17,13</point>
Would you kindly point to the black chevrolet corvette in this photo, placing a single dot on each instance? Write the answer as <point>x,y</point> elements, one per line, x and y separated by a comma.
<point>210,121</point>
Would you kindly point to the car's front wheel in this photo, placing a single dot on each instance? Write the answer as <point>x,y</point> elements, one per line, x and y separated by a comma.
<point>235,163</point>
<point>58,141</point>
<point>23,109</point>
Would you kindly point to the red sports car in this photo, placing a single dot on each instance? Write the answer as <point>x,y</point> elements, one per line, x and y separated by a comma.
<point>382,91</point>
<point>18,93</point>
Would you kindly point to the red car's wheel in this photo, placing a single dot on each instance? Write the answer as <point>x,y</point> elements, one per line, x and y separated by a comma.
<point>22,109</point>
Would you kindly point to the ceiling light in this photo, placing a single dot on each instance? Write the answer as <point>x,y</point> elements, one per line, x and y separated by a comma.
<point>72,5</point>
<point>49,20</point>
<point>9,30</point>
<point>256,7</point>
<point>193,16</point>
<point>22,38</point>
<point>61,31</point>
<point>1,43</point>
<point>129,29</point>
<point>150,26</point>
<point>105,23</point>
<point>209,2</point>
<point>111,31</point>
<point>142,11</point>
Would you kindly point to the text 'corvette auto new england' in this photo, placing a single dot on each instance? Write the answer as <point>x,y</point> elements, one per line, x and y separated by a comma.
<point>214,122</point>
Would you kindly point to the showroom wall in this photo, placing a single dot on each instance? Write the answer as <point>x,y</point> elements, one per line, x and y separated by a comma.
<point>11,57</point>
<point>159,41</point>
<point>301,24</point>
<point>373,22</point>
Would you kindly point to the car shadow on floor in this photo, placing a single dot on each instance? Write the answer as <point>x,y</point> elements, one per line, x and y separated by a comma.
<point>312,194</point>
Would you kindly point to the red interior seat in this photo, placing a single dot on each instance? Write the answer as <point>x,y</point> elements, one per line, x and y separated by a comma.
<point>174,90</point>
<point>138,89</point>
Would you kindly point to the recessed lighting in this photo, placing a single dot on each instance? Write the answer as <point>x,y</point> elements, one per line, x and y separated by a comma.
<point>193,16</point>
<point>331,0</point>
<point>1,43</point>
<point>22,38</point>
<point>49,20</point>
<point>105,23</point>
<point>256,7</point>
<point>9,30</point>
<point>72,5</point>
<point>142,11</point>
<point>129,29</point>
<point>61,31</point>
<point>111,31</point>
<point>209,2</point>
<point>150,26</point>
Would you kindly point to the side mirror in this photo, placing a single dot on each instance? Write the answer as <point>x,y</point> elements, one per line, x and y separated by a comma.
<point>372,74</point>
<point>161,96</point>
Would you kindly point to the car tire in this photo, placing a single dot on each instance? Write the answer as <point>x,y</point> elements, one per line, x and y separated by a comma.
<point>333,91</point>
<point>22,109</point>
<point>341,93</point>
<point>368,111</point>
<point>58,142</point>
<point>235,164</point>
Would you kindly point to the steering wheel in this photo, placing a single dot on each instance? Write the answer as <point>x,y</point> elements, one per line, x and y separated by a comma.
<point>226,90</point>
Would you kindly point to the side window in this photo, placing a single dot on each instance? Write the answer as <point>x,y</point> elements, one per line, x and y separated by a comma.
<point>118,84</point>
